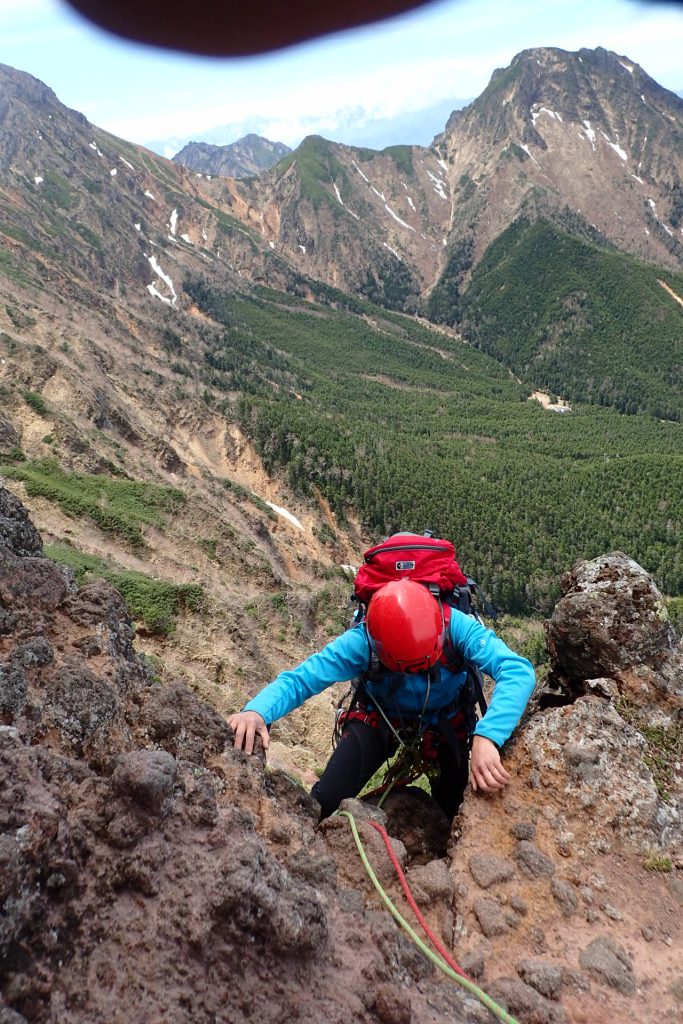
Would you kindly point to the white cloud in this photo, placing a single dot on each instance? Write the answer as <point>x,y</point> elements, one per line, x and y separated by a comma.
<point>300,108</point>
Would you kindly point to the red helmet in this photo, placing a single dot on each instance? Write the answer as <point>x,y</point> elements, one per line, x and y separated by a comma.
<point>406,626</point>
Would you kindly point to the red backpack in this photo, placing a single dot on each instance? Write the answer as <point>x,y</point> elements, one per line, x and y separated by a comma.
<point>428,560</point>
<point>412,556</point>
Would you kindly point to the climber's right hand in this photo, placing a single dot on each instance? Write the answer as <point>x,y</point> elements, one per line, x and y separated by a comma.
<point>247,725</point>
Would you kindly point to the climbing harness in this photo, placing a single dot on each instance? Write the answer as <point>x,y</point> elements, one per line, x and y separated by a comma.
<point>444,962</point>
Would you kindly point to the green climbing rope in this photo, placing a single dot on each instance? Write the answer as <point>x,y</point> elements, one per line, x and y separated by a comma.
<point>478,993</point>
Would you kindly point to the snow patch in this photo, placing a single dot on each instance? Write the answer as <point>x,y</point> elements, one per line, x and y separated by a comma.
<point>629,67</point>
<point>174,221</point>
<point>285,514</point>
<point>392,251</point>
<point>530,154</point>
<point>93,145</point>
<point>113,172</point>
<point>544,110</point>
<point>438,185</point>
<point>442,164</point>
<point>412,204</point>
<point>155,293</point>
<point>38,179</point>
<point>186,238</point>
<point>590,134</point>
<point>149,195</point>
<point>640,180</point>
<point>137,227</point>
<point>338,193</point>
<point>124,161</point>
<point>445,241</point>
<point>303,247</point>
<point>397,218</point>
<point>617,149</point>
<point>167,281</point>
<point>380,195</point>
<point>360,172</point>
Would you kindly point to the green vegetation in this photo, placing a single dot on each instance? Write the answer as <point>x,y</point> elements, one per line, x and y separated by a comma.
<point>657,861</point>
<point>663,746</point>
<point>36,402</point>
<point>120,507</point>
<point>89,235</point>
<point>413,429</point>
<point>209,546</point>
<point>27,239</point>
<point>154,602</point>
<point>15,454</point>
<point>317,163</point>
<point>93,186</point>
<point>12,268</point>
<point>674,606</point>
<point>57,190</point>
<point>578,320</point>
<point>402,157</point>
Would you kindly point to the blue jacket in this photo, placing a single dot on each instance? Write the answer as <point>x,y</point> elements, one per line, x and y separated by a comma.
<point>349,655</point>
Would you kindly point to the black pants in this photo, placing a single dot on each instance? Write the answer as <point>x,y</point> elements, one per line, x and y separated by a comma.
<point>364,748</point>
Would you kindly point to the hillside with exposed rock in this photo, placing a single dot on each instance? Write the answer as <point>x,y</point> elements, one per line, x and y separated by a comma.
<point>149,869</point>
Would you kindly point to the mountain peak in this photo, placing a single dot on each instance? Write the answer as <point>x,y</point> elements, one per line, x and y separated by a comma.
<point>250,155</point>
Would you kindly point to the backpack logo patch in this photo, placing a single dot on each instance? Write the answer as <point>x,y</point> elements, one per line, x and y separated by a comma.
<point>404,566</point>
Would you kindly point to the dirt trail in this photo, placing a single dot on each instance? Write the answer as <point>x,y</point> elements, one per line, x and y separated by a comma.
<point>671,292</point>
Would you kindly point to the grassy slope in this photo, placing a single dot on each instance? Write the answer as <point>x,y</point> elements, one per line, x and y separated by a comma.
<point>588,323</point>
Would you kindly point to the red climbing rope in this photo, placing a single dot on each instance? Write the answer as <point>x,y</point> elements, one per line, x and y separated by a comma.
<point>413,905</point>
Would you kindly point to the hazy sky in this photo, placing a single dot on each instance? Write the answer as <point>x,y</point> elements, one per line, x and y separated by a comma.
<point>392,82</point>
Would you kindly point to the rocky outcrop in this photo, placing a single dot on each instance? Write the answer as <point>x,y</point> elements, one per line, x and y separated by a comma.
<point>147,870</point>
<point>612,622</point>
<point>567,884</point>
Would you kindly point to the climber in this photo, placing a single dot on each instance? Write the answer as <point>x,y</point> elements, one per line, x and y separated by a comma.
<point>409,687</point>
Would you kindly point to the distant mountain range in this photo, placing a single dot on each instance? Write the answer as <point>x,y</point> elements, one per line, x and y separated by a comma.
<point>241,159</point>
<point>371,322</point>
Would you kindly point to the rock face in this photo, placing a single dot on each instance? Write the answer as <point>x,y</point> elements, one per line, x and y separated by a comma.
<point>147,870</point>
<point>150,872</point>
<point>596,794</point>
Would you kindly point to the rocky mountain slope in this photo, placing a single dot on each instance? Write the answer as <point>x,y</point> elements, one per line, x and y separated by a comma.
<point>585,139</point>
<point>242,159</point>
<point>151,871</point>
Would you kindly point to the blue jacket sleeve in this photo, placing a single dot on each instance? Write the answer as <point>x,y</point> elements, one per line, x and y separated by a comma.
<point>340,661</point>
<point>513,675</point>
